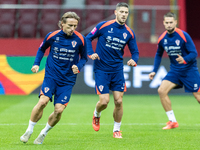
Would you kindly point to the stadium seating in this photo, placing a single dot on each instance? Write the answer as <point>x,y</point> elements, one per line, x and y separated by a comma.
<point>55,2</point>
<point>7,30</point>
<point>8,1</point>
<point>49,20</point>
<point>7,16</point>
<point>46,27</point>
<point>114,3</point>
<point>28,15</point>
<point>93,17</point>
<point>7,23</point>
<point>26,30</point>
<point>50,15</point>
<point>30,1</point>
<point>94,2</point>
<point>28,19</point>
<point>7,19</point>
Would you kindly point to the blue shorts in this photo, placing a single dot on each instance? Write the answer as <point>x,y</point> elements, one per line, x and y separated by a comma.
<point>61,92</point>
<point>109,81</point>
<point>190,79</point>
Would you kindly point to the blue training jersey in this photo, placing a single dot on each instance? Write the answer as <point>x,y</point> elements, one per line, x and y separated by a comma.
<point>112,38</point>
<point>64,53</point>
<point>176,43</point>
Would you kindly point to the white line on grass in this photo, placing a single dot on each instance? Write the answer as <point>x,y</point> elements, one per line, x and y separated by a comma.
<point>73,124</point>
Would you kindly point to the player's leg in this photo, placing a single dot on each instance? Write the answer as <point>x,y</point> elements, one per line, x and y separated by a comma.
<point>37,111</point>
<point>47,89</point>
<point>163,91</point>
<point>54,118</point>
<point>36,114</point>
<point>61,99</point>
<point>117,113</point>
<point>118,88</point>
<point>193,84</point>
<point>102,89</point>
<point>100,106</point>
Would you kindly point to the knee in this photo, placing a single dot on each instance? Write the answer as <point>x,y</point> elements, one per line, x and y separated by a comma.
<point>104,102</point>
<point>42,104</point>
<point>161,91</point>
<point>58,112</point>
<point>118,102</point>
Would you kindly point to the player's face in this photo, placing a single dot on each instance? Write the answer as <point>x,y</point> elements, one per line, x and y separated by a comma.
<point>70,26</point>
<point>170,24</point>
<point>121,14</point>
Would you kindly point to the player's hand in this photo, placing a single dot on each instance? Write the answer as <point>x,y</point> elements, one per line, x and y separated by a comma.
<point>151,75</point>
<point>95,56</point>
<point>35,68</point>
<point>75,69</point>
<point>131,62</point>
<point>180,59</point>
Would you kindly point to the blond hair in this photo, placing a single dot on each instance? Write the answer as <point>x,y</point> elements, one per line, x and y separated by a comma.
<point>68,15</point>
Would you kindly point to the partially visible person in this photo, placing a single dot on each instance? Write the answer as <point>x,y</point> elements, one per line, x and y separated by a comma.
<point>62,66</point>
<point>112,37</point>
<point>183,65</point>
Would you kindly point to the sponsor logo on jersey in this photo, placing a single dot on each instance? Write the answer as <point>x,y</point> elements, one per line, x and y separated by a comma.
<point>166,48</point>
<point>177,42</point>
<point>63,101</point>
<point>124,35</point>
<point>110,31</point>
<point>56,49</point>
<point>57,39</point>
<point>74,43</point>
<point>195,86</point>
<point>94,30</point>
<point>101,88</point>
<point>165,41</point>
<point>46,89</point>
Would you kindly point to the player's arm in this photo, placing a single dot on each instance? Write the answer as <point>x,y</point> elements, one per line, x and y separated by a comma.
<point>89,38</point>
<point>83,58</point>
<point>40,53</point>
<point>132,45</point>
<point>192,52</point>
<point>158,58</point>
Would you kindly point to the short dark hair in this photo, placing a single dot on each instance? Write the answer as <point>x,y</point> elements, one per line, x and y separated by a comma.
<point>122,4</point>
<point>170,14</point>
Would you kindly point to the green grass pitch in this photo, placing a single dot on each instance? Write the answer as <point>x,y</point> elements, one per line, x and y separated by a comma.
<point>142,124</point>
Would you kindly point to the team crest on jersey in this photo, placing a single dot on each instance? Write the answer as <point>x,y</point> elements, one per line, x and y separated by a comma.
<point>177,42</point>
<point>101,88</point>
<point>124,35</point>
<point>74,43</point>
<point>46,89</point>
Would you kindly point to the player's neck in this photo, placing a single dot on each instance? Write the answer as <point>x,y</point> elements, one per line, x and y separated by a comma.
<point>172,31</point>
<point>119,22</point>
